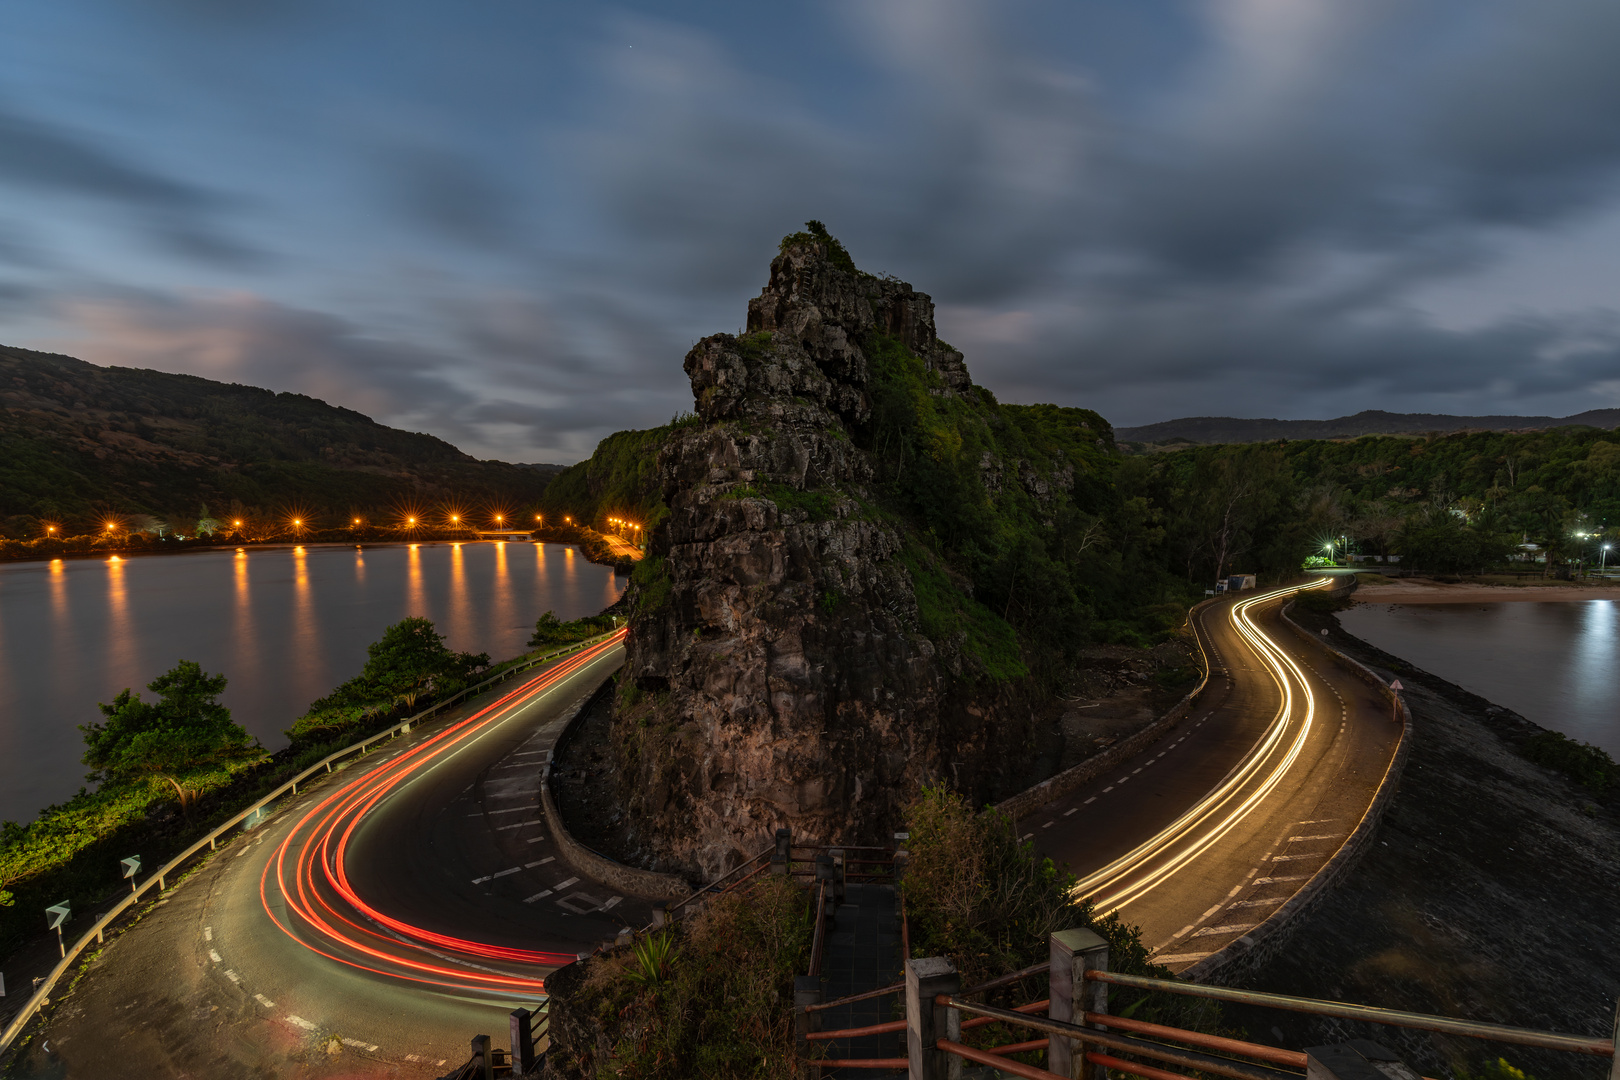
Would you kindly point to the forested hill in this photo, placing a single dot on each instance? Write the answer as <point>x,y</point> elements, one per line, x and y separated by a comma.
<point>80,442</point>
<point>1228,429</point>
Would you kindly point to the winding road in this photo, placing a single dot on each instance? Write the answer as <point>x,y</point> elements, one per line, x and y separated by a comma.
<point>375,922</point>
<point>1203,835</point>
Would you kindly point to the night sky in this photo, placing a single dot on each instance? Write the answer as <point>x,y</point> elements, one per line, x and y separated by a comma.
<point>505,221</point>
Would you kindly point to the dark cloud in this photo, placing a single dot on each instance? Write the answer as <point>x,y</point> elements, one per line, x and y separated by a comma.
<point>184,217</point>
<point>457,198</point>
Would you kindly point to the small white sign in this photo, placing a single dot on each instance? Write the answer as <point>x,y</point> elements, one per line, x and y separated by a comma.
<point>1396,685</point>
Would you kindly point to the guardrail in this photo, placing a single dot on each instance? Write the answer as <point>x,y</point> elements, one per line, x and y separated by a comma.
<point>41,995</point>
<point>1078,1029</point>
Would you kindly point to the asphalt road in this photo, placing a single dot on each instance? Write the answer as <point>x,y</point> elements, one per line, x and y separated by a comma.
<point>1210,830</point>
<point>371,926</point>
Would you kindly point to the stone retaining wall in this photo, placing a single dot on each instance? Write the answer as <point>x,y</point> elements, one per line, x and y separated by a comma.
<point>591,864</point>
<point>1235,962</point>
<point>1029,800</point>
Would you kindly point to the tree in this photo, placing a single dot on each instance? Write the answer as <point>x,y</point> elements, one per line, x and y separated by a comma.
<point>410,660</point>
<point>172,739</point>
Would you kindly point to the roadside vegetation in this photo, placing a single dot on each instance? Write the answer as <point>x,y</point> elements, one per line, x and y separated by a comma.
<point>168,770</point>
<point>709,997</point>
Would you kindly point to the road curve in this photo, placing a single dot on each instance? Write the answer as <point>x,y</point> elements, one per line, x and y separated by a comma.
<point>374,923</point>
<point>1228,815</point>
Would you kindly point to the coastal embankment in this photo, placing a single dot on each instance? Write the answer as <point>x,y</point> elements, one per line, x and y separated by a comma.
<point>1430,591</point>
<point>1492,892</point>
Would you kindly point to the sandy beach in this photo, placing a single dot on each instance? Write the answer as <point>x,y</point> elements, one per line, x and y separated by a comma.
<point>1425,591</point>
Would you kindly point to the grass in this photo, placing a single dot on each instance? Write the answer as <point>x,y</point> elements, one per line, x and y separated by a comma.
<point>711,997</point>
<point>1588,765</point>
<point>953,619</point>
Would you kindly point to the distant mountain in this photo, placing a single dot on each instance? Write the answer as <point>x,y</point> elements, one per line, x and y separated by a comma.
<point>1227,429</point>
<point>79,442</point>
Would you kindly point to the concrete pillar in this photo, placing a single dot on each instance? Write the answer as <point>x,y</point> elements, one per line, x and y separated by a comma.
<point>840,878</point>
<point>660,917</point>
<point>1072,952</point>
<point>483,1060</point>
<point>927,1022</point>
<point>522,1041</point>
<point>1358,1059</point>
<point>782,857</point>
<point>806,991</point>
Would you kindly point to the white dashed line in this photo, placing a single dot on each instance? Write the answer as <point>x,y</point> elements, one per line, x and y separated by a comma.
<point>1274,880</point>
<point>1076,809</point>
<point>358,1045</point>
<point>233,976</point>
<point>1296,858</point>
<point>542,862</point>
<point>481,880</point>
<point>301,1022</point>
<point>612,902</point>
<point>503,873</point>
<point>1212,931</point>
<point>1107,789</point>
<point>208,933</point>
<point>262,1000</point>
<point>519,825</point>
<point>537,896</point>
<point>536,840</point>
<point>565,884</point>
<point>1302,839</point>
<point>1257,903</point>
<point>1178,957</point>
<point>1049,824</point>
<point>492,813</point>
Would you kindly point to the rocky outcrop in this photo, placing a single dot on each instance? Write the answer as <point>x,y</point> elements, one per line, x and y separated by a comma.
<point>777,673</point>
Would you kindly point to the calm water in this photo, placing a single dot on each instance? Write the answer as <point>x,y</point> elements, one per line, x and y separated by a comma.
<point>1555,663</point>
<point>284,625</point>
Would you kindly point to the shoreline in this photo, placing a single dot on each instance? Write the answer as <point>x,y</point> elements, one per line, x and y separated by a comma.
<point>1424,591</point>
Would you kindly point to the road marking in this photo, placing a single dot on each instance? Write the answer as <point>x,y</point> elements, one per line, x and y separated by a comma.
<point>1178,957</point>
<point>481,880</point>
<point>301,1022</point>
<point>542,862</point>
<point>1049,824</point>
<point>1107,789</point>
<point>208,933</point>
<point>491,813</point>
<point>1135,771</point>
<point>1123,779</point>
<point>233,976</point>
<point>1236,928</point>
<point>519,825</point>
<point>508,768</point>
<point>538,896</point>
<point>509,795</point>
<point>1027,836</point>
<point>262,1000</point>
<point>1208,913</point>
<point>503,873</point>
<point>536,840</point>
<point>565,884</point>
<point>1076,809</point>
<point>1302,839</point>
<point>214,956</point>
<point>612,902</point>
<point>1258,903</point>
<point>1274,880</point>
<point>358,1045</point>
<point>1318,821</point>
<point>1296,858</point>
<point>527,753</point>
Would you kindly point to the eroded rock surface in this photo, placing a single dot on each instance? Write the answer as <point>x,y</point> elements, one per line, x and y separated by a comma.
<point>777,674</point>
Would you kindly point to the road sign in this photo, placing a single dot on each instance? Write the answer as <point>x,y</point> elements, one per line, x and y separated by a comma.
<point>1396,685</point>
<point>57,915</point>
<point>131,865</point>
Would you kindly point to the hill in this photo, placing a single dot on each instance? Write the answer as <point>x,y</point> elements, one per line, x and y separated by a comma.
<point>79,443</point>
<point>1228,429</point>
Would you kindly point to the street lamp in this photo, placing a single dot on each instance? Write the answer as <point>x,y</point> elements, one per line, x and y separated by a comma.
<point>1604,559</point>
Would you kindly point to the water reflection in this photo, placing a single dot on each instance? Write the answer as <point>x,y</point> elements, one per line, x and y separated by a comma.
<point>284,626</point>
<point>1555,663</point>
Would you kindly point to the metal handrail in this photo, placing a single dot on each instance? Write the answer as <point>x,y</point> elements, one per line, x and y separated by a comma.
<point>853,998</point>
<point>818,947</point>
<point>709,888</point>
<point>1575,1044</point>
<point>1189,1059</point>
<point>41,995</point>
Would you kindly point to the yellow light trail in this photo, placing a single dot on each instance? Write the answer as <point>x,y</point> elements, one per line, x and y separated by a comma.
<point>1132,876</point>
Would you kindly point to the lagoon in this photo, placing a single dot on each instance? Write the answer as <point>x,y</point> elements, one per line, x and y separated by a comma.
<point>284,625</point>
<point>1557,664</point>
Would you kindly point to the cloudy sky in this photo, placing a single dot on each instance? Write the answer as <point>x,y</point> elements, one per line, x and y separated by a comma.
<point>504,222</point>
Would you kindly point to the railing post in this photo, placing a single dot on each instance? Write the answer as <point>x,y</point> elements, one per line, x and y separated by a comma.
<point>1614,1062</point>
<point>826,877</point>
<point>481,1055</point>
<point>840,874</point>
<point>782,857</point>
<point>806,991</point>
<point>927,1022</point>
<point>660,914</point>
<point>1072,952</point>
<point>522,1041</point>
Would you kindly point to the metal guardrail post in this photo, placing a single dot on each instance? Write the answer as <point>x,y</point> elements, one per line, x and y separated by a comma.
<point>927,1021</point>
<point>782,857</point>
<point>522,1041</point>
<point>1073,952</point>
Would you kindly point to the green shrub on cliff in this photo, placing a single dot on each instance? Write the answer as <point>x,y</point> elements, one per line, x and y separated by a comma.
<point>552,633</point>
<point>710,999</point>
<point>1588,765</point>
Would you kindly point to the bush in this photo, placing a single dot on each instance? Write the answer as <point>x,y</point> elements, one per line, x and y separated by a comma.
<point>710,999</point>
<point>1588,765</point>
<point>552,633</point>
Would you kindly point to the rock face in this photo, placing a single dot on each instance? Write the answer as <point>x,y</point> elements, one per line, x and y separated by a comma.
<point>776,672</point>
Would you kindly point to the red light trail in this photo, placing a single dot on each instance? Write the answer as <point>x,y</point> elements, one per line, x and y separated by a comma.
<point>327,914</point>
